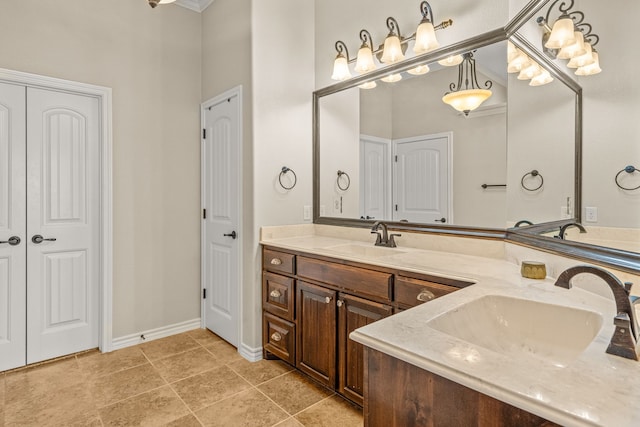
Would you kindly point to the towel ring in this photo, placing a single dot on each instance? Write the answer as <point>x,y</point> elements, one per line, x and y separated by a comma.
<point>628,169</point>
<point>533,174</point>
<point>284,172</point>
<point>340,175</point>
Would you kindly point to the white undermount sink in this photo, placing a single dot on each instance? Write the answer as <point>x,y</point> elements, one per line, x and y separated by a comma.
<point>362,250</point>
<point>516,327</point>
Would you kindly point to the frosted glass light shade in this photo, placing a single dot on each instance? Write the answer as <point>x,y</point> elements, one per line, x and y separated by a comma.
<point>392,51</point>
<point>450,61</point>
<point>575,49</point>
<point>340,68</point>
<point>392,78</point>
<point>425,38</point>
<point>590,70</point>
<point>519,62</point>
<point>542,79</point>
<point>365,63</point>
<point>582,60</point>
<point>419,70</point>
<point>466,100</point>
<point>368,85</point>
<point>562,33</point>
<point>533,70</point>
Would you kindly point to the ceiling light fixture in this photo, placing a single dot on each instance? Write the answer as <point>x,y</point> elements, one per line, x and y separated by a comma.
<point>471,96</point>
<point>392,50</point>
<point>570,38</point>
<point>154,3</point>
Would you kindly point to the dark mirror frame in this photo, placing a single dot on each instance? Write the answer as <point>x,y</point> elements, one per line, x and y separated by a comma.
<point>529,236</point>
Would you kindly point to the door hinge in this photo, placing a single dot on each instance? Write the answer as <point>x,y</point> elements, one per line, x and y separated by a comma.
<point>396,208</point>
<point>204,214</point>
<point>204,294</point>
<point>396,159</point>
<point>204,134</point>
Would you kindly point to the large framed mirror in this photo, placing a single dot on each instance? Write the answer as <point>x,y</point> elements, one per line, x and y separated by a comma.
<point>524,137</point>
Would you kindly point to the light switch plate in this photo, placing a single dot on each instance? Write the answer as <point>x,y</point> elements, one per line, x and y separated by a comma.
<point>591,214</point>
<point>306,213</point>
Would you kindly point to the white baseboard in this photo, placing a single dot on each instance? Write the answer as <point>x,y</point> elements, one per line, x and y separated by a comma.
<point>251,354</point>
<point>154,334</point>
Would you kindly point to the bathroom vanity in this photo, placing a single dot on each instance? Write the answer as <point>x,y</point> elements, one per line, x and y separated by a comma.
<point>488,348</point>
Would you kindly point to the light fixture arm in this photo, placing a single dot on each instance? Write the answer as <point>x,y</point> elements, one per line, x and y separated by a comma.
<point>394,28</point>
<point>563,7</point>
<point>342,50</point>
<point>427,13</point>
<point>366,39</point>
<point>467,69</point>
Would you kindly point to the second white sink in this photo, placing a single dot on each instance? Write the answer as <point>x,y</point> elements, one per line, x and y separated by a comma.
<point>514,326</point>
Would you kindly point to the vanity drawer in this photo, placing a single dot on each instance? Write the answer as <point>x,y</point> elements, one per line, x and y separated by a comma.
<point>278,261</point>
<point>411,292</point>
<point>278,295</point>
<point>359,281</point>
<point>279,338</point>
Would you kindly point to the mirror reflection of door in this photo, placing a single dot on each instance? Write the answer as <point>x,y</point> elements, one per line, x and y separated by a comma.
<point>375,178</point>
<point>422,179</point>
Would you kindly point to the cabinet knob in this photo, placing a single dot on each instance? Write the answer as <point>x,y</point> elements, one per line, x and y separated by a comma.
<point>425,296</point>
<point>340,303</point>
<point>276,336</point>
<point>276,261</point>
<point>275,294</point>
<point>327,300</point>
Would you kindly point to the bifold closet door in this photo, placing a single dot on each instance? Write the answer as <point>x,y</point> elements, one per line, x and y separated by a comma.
<point>63,223</point>
<point>13,254</point>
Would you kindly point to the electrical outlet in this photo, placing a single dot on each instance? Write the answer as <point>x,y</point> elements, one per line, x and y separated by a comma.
<point>591,214</point>
<point>306,213</point>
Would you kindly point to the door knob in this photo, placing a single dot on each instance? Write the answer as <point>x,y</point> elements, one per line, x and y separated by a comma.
<point>37,239</point>
<point>442,220</point>
<point>233,235</point>
<point>13,241</point>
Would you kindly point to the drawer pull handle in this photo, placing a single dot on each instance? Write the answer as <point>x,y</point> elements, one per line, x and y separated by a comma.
<point>275,294</point>
<point>327,300</point>
<point>276,336</point>
<point>425,296</point>
<point>276,261</point>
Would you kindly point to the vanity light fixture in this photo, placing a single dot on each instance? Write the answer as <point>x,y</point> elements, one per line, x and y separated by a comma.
<point>392,50</point>
<point>419,70</point>
<point>528,69</point>
<point>471,96</point>
<point>542,79</point>
<point>392,78</point>
<point>154,3</point>
<point>570,38</point>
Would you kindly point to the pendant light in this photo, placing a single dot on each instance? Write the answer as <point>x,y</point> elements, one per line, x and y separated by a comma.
<point>425,34</point>
<point>471,96</point>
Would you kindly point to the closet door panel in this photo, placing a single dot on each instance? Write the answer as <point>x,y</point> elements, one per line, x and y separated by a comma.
<point>12,224</point>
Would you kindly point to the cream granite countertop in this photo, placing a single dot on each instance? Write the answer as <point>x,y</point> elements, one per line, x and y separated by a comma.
<point>596,389</point>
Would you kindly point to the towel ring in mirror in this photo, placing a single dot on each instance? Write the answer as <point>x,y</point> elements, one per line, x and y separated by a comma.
<point>340,175</point>
<point>283,172</point>
<point>534,173</point>
<point>628,169</point>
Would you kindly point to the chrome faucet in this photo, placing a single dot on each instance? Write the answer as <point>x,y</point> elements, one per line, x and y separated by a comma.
<point>385,239</point>
<point>624,340</point>
<point>563,229</point>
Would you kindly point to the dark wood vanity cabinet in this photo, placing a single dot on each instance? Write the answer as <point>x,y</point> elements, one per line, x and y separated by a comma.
<point>311,305</point>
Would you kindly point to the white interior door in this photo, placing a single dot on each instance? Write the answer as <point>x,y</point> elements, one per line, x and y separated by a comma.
<point>375,188</point>
<point>222,187</point>
<point>422,179</point>
<point>13,267</point>
<point>63,223</point>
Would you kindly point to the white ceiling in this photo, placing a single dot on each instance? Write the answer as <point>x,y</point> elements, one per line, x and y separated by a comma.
<point>195,5</point>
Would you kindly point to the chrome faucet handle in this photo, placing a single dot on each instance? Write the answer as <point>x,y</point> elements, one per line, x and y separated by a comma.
<point>392,242</point>
<point>623,342</point>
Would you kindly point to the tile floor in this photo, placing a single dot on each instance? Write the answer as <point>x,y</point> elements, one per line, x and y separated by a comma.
<point>190,379</point>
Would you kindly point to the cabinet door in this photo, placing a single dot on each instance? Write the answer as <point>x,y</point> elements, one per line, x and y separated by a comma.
<point>354,313</point>
<point>316,333</point>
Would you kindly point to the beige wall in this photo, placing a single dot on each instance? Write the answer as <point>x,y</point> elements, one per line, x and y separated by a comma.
<point>151,59</point>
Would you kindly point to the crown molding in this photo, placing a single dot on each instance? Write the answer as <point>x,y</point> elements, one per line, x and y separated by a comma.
<point>195,5</point>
